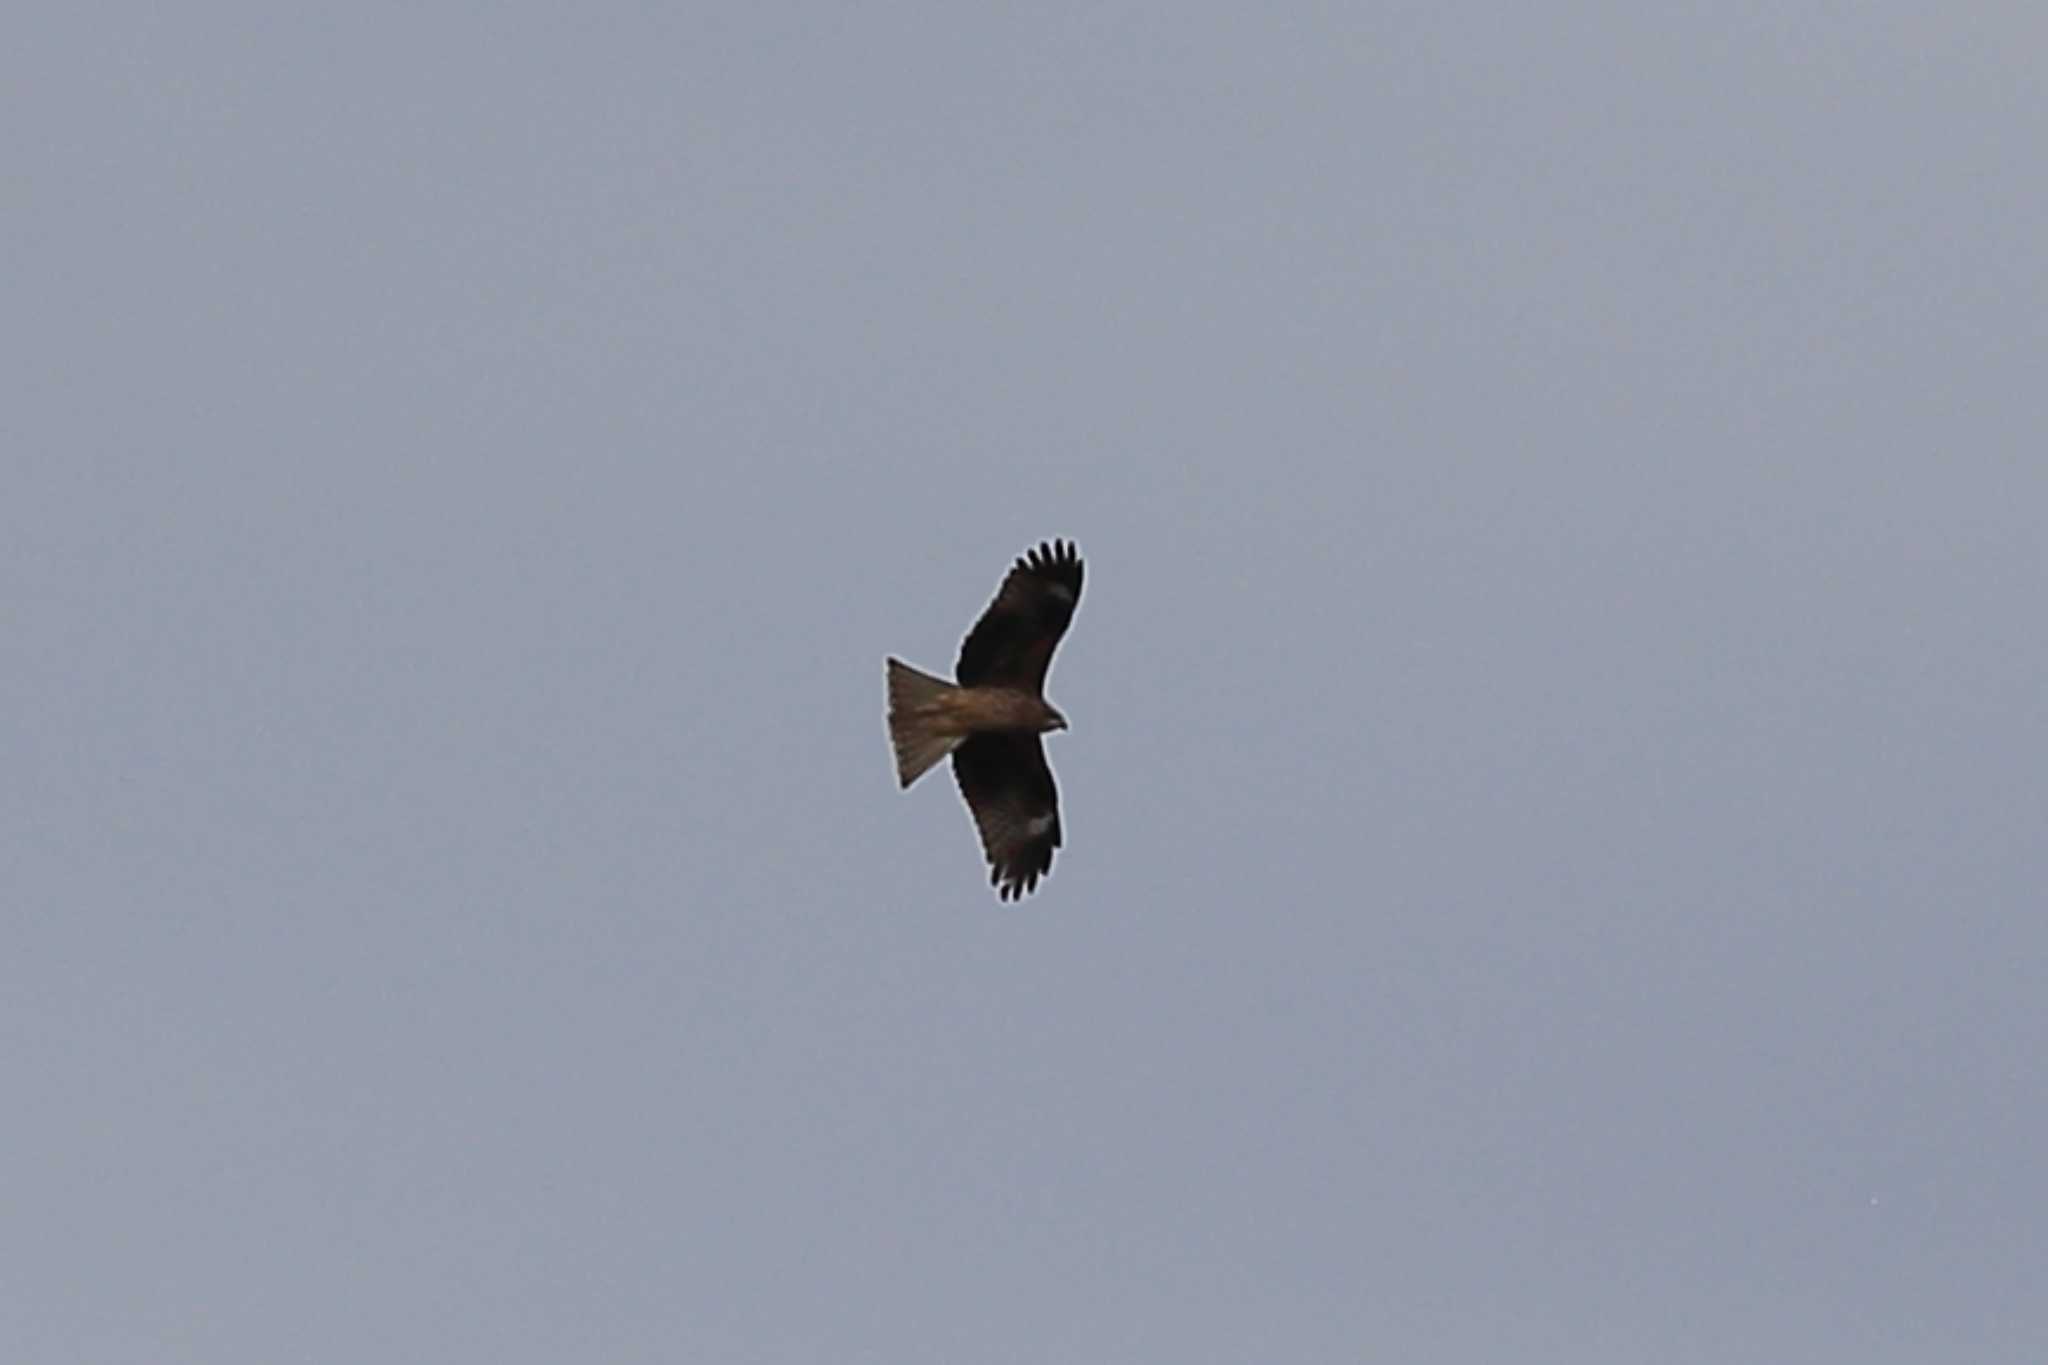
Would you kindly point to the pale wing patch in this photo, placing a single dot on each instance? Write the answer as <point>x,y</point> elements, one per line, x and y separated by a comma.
<point>1006,823</point>
<point>1012,831</point>
<point>1015,805</point>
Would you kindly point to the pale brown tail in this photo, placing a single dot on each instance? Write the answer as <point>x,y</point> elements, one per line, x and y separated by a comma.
<point>917,726</point>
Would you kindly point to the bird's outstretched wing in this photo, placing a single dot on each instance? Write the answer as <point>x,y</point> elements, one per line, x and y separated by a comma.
<point>1016,807</point>
<point>1012,644</point>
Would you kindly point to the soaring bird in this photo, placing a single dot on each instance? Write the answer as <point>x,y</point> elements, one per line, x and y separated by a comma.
<point>991,718</point>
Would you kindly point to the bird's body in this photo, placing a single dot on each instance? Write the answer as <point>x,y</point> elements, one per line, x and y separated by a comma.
<point>990,720</point>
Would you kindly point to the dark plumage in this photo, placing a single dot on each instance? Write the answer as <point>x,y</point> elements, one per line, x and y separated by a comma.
<point>1012,644</point>
<point>991,720</point>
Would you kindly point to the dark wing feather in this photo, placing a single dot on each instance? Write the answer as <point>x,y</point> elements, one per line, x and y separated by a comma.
<point>1016,808</point>
<point>1012,644</point>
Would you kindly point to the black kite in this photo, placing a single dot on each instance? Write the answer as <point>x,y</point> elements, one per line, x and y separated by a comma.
<point>991,720</point>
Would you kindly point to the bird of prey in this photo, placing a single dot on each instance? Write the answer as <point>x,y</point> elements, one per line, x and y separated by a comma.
<point>990,720</point>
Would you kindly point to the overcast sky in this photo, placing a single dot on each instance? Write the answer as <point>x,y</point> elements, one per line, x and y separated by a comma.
<point>1555,860</point>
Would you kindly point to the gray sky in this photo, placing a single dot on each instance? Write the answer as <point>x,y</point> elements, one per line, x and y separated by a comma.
<point>1554,805</point>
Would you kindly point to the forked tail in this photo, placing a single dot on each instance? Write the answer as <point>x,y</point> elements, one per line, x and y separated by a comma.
<point>917,721</point>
